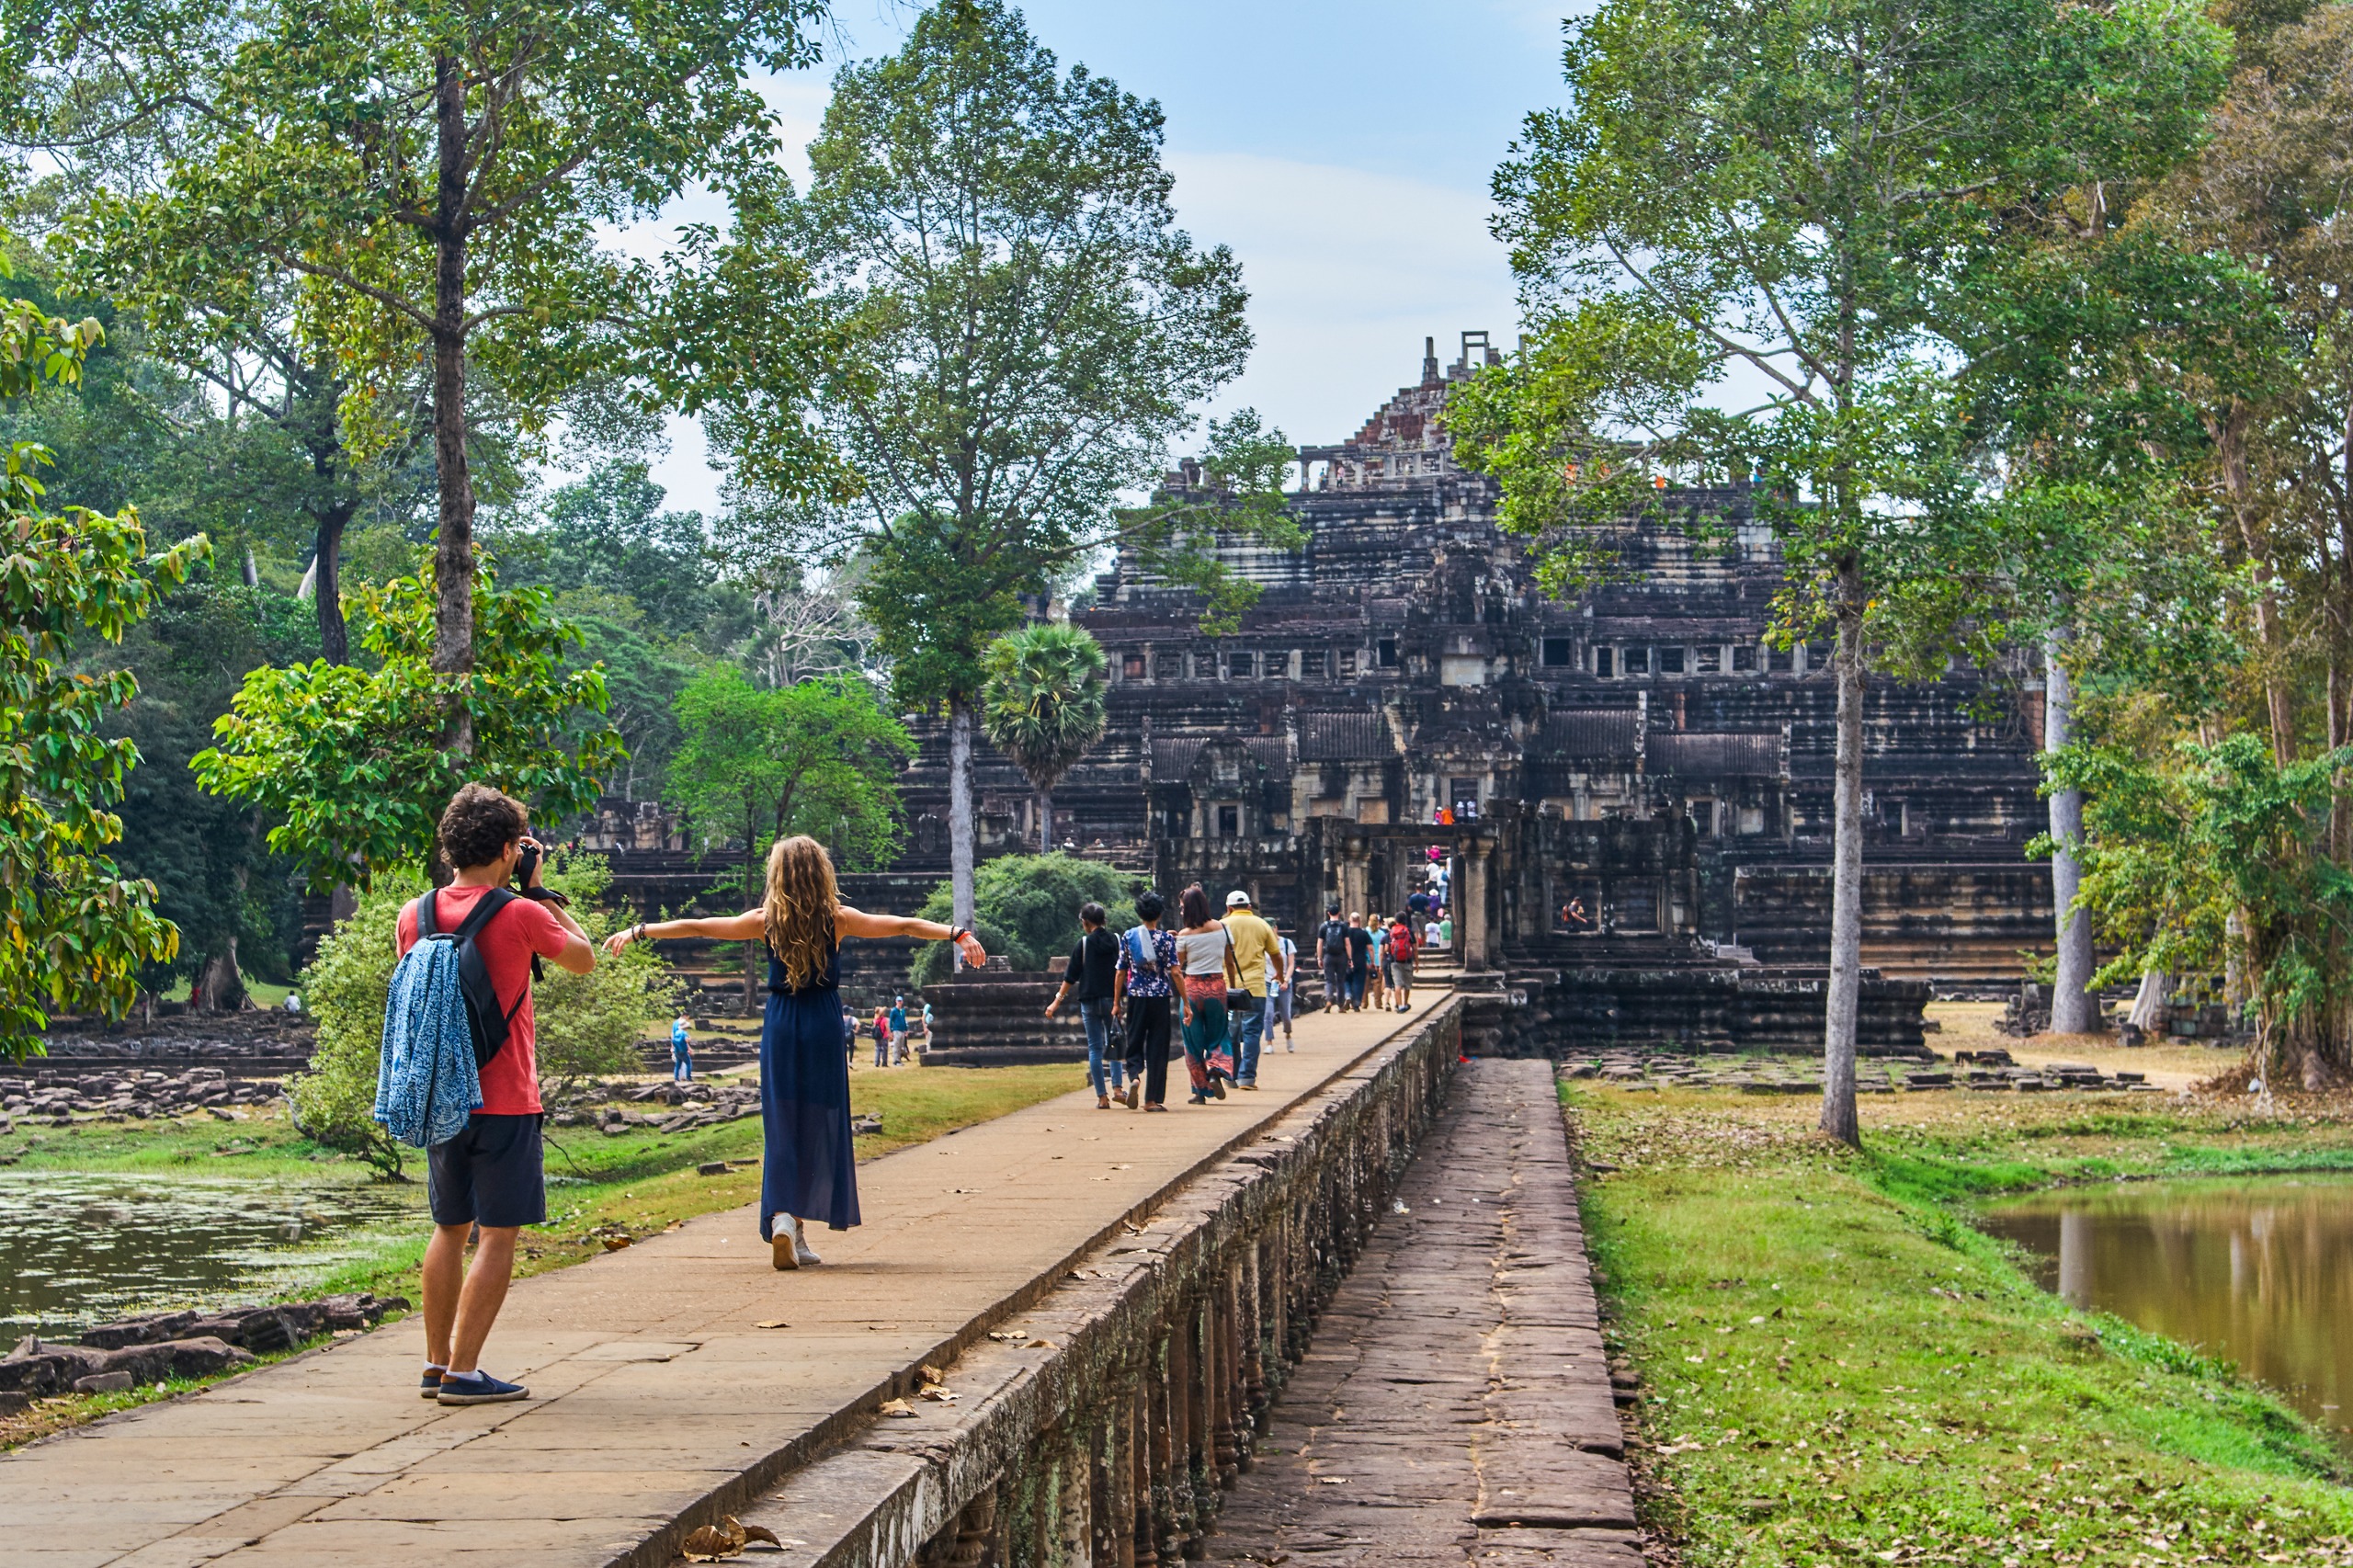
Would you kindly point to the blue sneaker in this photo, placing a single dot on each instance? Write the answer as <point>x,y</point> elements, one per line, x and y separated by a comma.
<point>429,1386</point>
<point>479,1388</point>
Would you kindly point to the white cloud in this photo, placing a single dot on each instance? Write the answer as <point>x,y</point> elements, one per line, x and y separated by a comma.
<point>1348,270</point>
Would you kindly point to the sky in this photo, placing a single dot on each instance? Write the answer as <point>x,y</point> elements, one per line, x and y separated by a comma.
<point>1342,152</point>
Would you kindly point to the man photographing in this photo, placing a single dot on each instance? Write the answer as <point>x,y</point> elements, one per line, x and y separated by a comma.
<point>488,1176</point>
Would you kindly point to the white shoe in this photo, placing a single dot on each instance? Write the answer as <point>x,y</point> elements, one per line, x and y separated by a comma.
<point>789,1248</point>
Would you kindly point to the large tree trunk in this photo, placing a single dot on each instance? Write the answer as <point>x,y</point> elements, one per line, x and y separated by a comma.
<point>959,814</point>
<point>1845,996</point>
<point>218,987</point>
<point>453,566</point>
<point>2230,443</point>
<point>2071,1001</point>
<point>327,585</point>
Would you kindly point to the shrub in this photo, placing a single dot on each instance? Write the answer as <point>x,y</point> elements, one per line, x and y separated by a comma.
<point>1025,906</point>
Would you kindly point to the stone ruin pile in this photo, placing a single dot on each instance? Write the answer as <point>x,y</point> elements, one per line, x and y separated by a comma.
<point>695,1104</point>
<point>54,1098</point>
<point>1984,1071</point>
<point>114,1357</point>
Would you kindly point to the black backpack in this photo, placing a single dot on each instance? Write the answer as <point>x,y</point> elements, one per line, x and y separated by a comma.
<point>484,1021</point>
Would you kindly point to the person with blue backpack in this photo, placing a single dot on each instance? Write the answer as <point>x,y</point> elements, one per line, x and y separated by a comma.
<point>1142,988</point>
<point>808,1166</point>
<point>457,1075</point>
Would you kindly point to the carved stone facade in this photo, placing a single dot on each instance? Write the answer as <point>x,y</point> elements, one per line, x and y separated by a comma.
<point>1638,757</point>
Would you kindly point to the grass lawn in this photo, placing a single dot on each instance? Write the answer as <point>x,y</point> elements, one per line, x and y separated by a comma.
<point>1837,1367</point>
<point>600,1189</point>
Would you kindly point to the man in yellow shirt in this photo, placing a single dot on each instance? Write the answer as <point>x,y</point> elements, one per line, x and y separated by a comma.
<point>1252,953</point>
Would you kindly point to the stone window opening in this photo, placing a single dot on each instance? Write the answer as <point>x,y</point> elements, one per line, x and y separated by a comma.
<point>1711,659</point>
<point>1131,668</point>
<point>1168,667</point>
<point>1559,653</point>
<point>1386,649</point>
<point>1241,664</point>
<point>1348,662</point>
<point>1601,661</point>
<point>1670,661</point>
<point>1778,660</point>
<point>1744,658</point>
<point>1310,664</point>
<point>1229,822</point>
<point>1638,661</point>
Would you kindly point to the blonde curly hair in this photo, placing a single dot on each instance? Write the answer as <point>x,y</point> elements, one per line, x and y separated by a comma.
<point>798,909</point>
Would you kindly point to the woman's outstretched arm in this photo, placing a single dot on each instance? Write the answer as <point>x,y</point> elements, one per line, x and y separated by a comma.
<point>848,922</point>
<point>747,926</point>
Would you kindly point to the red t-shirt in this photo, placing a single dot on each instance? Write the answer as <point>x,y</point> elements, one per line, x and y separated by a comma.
<point>510,1084</point>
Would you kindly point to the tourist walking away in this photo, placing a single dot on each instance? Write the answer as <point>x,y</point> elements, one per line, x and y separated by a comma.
<point>1143,995</point>
<point>1282,989</point>
<point>1376,977</point>
<point>458,1074</point>
<point>807,1168</point>
<point>1446,930</point>
<point>898,1028</point>
<point>849,1033</point>
<point>1430,933</point>
<point>1359,960</point>
<point>1256,952</point>
<point>682,1056</point>
<point>1204,958</point>
<point>1332,948</point>
<point>1401,960</point>
<point>881,1037</point>
<point>1093,973</point>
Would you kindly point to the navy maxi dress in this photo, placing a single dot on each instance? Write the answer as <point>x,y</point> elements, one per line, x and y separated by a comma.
<point>808,1167</point>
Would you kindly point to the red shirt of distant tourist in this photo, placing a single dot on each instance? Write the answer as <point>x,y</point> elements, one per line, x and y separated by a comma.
<point>510,1084</point>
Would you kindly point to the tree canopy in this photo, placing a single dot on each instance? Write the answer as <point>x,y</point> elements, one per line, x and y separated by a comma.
<point>77,933</point>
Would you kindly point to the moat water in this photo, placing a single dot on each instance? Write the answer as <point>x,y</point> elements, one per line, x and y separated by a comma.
<point>78,1249</point>
<point>2258,1271</point>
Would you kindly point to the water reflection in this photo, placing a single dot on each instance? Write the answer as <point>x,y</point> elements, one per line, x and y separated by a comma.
<point>2257,1270</point>
<point>78,1249</point>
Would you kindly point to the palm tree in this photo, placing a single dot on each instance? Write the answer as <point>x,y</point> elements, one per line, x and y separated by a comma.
<point>1043,703</point>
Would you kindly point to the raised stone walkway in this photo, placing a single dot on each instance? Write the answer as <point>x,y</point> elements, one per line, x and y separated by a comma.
<point>657,1390</point>
<point>1454,1406</point>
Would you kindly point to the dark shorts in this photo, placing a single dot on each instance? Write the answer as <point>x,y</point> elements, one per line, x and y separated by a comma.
<point>488,1174</point>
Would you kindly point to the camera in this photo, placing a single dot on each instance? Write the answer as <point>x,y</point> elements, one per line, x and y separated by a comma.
<point>528,863</point>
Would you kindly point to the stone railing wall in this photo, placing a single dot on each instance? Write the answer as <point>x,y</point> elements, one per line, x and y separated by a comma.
<point>1099,1423</point>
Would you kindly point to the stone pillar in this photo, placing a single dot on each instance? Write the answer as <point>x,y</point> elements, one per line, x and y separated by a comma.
<point>1355,854</point>
<point>1473,902</point>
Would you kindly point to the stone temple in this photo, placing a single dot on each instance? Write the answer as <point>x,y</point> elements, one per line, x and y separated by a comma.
<point>1632,791</point>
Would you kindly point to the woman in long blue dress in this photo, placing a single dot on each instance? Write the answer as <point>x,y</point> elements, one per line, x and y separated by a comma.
<point>808,1168</point>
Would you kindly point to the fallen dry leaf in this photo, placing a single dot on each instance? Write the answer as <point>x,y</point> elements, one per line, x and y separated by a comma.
<point>1040,1345</point>
<point>761,1532</point>
<point>1000,1334</point>
<point>711,1542</point>
<point>898,1407</point>
<point>932,1374</point>
<point>615,1244</point>
<point>772,1323</point>
<point>935,1394</point>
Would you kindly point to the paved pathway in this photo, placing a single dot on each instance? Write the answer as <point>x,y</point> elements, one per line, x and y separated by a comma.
<point>1454,1406</point>
<point>656,1383</point>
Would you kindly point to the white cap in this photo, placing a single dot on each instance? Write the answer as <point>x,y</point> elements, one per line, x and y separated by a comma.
<point>1236,899</point>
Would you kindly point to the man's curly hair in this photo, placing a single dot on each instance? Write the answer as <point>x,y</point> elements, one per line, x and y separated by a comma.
<point>479,825</point>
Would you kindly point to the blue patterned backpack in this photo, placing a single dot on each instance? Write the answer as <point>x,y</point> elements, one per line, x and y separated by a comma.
<point>443,1025</point>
